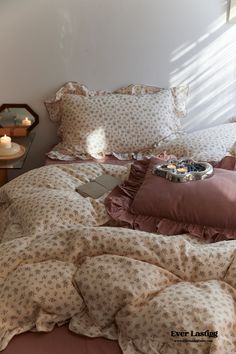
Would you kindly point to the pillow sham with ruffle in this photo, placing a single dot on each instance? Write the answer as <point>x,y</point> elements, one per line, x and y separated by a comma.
<point>54,107</point>
<point>210,144</point>
<point>203,208</point>
<point>99,125</point>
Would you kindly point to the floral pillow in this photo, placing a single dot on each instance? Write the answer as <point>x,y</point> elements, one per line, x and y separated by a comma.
<point>210,144</point>
<point>53,104</point>
<point>99,125</point>
<point>65,150</point>
<point>179,93</point>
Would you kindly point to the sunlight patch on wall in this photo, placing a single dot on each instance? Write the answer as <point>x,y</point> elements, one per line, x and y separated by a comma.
<point>208,65</point>
<point>187,47</point>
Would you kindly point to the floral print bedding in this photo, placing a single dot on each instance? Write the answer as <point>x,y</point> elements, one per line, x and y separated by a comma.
<point>127,111</point>
<point>209,144</point>
<point>96,126</point>
<point>61,262</point>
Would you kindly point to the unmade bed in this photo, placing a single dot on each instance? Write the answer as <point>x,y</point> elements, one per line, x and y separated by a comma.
<point>60,264</point>
<point>73,279</point>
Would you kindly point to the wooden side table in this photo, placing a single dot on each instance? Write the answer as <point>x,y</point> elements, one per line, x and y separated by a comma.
<point>18,163</point>
<point>3,176</point>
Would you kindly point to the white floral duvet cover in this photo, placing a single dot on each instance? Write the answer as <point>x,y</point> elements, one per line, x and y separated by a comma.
<point>153,293</point>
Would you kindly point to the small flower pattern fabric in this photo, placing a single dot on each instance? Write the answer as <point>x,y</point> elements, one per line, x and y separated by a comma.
<point>53,104</point>
<point>97,126</point>
<point>179,93</point>
<point>210,144</point>
<point>58,262</point>
<point>54,107</point>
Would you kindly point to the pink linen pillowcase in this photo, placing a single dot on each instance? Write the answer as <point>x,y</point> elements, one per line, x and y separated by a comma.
<point>202,208</point>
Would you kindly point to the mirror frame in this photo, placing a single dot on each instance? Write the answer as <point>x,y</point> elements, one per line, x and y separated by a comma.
<point>21,105</point>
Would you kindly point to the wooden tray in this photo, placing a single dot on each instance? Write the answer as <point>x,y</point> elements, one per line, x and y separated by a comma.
<point>14,156</point>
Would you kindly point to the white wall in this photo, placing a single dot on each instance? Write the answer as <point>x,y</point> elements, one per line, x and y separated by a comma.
<point>109,43</point>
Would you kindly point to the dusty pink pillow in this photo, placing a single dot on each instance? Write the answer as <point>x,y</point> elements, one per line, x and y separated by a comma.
<point>202,208</point>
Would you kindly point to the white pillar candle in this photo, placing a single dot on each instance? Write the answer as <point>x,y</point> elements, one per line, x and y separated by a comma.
<point>5,142</point>
<point>26,121</point>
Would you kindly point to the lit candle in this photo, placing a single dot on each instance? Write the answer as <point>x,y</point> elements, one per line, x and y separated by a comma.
<point>171,166</point>
<point>26,121</point>
<point>182,169</point>
<point>5,142</point>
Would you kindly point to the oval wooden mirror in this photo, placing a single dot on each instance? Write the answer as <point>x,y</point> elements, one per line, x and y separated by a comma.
<point>17,119</point>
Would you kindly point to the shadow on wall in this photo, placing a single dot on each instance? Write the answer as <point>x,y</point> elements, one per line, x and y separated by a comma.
<point>208,65</point>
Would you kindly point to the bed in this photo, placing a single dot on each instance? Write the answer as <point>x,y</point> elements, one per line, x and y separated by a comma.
<point>59,265</point>
<point>65,265</point>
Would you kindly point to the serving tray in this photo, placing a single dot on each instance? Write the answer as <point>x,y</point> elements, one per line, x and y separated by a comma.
<point>183,170</point>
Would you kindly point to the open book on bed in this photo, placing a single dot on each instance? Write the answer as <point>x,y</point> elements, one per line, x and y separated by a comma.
<point>101,185</point>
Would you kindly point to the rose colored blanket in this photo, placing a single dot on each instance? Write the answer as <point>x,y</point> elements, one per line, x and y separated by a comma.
<point>58,264</point>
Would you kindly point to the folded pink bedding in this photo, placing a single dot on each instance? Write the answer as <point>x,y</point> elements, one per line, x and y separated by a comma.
<point>204,208</point>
